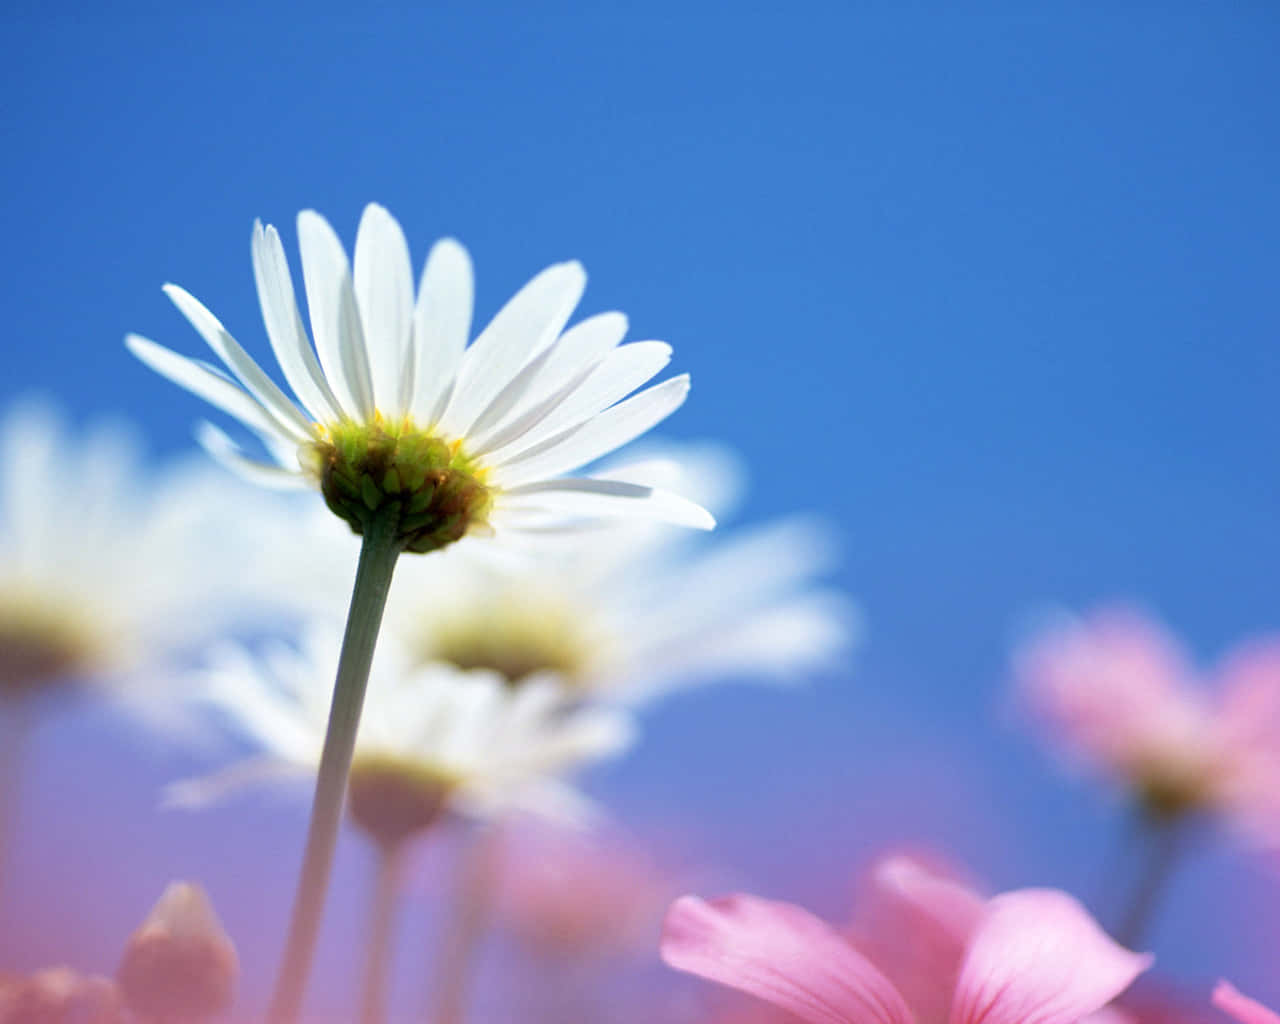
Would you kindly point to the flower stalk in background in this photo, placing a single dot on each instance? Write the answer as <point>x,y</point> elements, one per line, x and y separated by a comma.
<point>934,951</point>
<point>416,439</point>
<point>1117,692</point>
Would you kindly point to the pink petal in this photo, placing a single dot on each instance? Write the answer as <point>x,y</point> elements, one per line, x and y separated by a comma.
<point>1109,1015</point>
<point>1248,1011</point>
<point>1113,687</point>
<point>1037,957</point>
<point>1250,683</point>
<point>913,923</point>
<point>781,954</point>
<point>1248,733</point>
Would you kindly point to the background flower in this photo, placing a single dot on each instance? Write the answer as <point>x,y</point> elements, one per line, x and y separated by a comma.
<point>496,750</point>
<point>1118,693</point>
<point>108,567</point>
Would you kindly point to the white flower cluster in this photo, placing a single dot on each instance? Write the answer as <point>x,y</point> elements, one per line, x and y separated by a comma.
<point>502,666</point>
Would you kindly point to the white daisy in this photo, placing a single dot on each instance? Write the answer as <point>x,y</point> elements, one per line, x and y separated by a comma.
<point>394,406</point>
<point>633,610</point>
<point>430,735</point>
<point>104,568</point>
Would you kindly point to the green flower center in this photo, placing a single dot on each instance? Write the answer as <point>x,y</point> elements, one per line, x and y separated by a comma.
<point>362,468</point>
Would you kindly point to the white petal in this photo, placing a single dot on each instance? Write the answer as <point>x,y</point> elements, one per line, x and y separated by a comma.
<point>384,295</point>
<point>616,377</point>
<point>191,794</point>
<point>501,408</point>
<point>606,498</point>
<point>32,438</point>
<point>334,320</point>
<point>288,337</point>
<point>206,382</point>
<point>251,375</point>
<point>441,326</point>
<point>532,319</point>
<point>579,348</point>
<point>515,431</point>
<point>598,436</point>
<point>569,360</point>
<point>225,451</point>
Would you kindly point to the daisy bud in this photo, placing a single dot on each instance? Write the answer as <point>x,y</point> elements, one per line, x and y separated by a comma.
<point>59,995</point>
<point>392,799</point>
<point>180,964</point>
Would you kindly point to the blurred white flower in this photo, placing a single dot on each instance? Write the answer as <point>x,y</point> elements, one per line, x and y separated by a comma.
<point>632,610</point>
<point>397,409</point>
<point>428,733</point>
<point>105,568</point>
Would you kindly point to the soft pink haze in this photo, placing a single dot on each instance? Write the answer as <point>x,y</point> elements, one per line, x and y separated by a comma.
<point>580,894</point>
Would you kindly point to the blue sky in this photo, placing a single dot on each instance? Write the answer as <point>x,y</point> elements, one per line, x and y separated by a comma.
<point>992,290</point>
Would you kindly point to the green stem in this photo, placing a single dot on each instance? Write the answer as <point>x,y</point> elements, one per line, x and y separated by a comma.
<point>378,554</point>
<point>1162,839</point>
<point>377,968</point>
<point>465,926</point>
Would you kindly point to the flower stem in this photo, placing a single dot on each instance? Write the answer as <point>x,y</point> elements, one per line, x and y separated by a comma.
<point>378,554</point>
<point>465,926</point>
<point>377,968</point>
<point>1162,842</point>
<point>16,722</point>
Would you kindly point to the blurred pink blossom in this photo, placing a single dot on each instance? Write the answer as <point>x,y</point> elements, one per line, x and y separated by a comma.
<point>579,894</point>
<point>924,949</point>
<point>1120,695</point>
<point>1248,1011</point>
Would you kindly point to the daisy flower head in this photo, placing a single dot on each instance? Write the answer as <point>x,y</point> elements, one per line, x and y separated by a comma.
<point>396,414</point>
<point>632,610</point>
<point>100,582</point>
<point>1119,694</point>
<point>431,738</point>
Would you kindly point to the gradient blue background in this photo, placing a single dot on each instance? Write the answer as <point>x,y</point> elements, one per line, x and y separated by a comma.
<point>993,291</point>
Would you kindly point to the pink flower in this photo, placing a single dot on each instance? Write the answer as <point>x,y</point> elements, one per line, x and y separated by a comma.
<point>1119,694</point>
<point>581,894</point>
<point>926,950</point>
<point>1241,1007</point>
